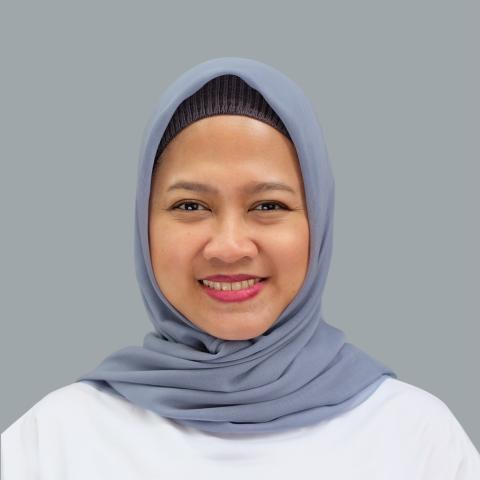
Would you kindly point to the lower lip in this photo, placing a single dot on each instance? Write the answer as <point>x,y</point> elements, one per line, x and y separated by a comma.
<point>234,295</point>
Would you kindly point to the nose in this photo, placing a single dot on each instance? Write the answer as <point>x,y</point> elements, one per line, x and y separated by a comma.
<point>230,241</point>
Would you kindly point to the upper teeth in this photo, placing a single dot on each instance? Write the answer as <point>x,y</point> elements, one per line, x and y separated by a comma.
<point>231,286</point>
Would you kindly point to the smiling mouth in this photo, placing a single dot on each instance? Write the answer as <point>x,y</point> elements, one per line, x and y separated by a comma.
<point>231,286</point>
<point>236,292</point>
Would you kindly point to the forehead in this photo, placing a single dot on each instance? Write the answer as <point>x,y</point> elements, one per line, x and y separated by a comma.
<point>235,146</point>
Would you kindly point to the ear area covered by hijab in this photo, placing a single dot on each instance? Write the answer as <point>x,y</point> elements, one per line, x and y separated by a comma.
<point>301,370</point>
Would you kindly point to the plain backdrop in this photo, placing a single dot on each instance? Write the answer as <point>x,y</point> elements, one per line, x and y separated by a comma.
<point>395,86</point>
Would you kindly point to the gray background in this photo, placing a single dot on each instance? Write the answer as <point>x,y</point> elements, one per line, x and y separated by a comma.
<point>395,85</point>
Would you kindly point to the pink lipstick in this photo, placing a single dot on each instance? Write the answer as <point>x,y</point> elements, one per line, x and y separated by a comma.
<point>234,295</point>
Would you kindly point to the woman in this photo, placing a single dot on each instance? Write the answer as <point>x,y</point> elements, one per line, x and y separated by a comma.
<point>242,375</point>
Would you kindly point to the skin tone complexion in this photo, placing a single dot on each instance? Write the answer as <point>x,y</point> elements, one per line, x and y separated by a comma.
<point>227,198</point>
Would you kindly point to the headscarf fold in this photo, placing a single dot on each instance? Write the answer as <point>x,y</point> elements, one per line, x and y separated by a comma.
<point>297,373</point>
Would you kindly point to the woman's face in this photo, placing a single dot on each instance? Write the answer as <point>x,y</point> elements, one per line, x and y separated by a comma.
<point>229,230</point>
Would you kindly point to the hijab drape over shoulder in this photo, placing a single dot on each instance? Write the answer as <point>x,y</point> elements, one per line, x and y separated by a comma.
<point>298,372</point>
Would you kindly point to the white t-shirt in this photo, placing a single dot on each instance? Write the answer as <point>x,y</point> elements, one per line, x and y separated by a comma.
<point>400,432</point>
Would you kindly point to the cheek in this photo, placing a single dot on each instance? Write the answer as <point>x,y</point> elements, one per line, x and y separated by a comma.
<point>290,248</point>
<point>164,248</point>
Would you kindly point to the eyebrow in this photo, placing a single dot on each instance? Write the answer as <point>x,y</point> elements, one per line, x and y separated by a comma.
<point>250,189</point>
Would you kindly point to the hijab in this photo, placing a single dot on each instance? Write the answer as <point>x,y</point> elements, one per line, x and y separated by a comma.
<point>298,372</point>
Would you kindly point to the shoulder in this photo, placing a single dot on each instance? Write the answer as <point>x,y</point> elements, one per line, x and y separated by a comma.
<point>397,394</point>
<point>35,429</point>
<point>425,419</point>
<point>74,398</point>
<point>67,404</point>
<point>408,403</point>
<point>403,410</point>
<point>414,425</point>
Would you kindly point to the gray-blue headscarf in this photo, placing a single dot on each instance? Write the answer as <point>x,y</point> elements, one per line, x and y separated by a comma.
<point>297,373</point>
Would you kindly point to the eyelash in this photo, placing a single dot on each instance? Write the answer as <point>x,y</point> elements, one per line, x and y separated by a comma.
<point>282,207</point>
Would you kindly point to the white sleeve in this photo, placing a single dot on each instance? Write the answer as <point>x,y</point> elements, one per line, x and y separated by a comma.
<point>19,449</point>
<point>453,455</point>
<point>469,458</point>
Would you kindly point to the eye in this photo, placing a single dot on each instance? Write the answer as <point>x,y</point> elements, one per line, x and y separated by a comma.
<point>274,204</point>
<point>186,209</point>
